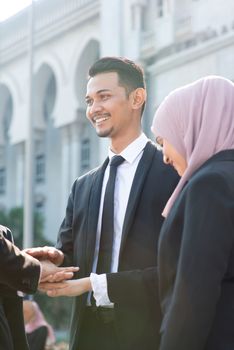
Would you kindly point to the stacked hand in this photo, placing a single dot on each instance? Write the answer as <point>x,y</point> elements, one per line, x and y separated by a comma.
<point>47,253</point>
<point>51,272</point>
<point>55,281</point>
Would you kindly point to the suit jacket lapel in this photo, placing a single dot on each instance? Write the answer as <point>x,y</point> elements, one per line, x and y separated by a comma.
<point>93,212</point>
<point>137,185</point>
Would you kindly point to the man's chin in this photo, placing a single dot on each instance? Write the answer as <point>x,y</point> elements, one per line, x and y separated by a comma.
<point>103,133</point>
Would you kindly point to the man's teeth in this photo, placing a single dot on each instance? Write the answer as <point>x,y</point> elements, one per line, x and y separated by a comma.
<point>100,120</point>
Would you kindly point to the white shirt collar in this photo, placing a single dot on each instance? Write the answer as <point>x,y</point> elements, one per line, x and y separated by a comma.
<point>131,152</point>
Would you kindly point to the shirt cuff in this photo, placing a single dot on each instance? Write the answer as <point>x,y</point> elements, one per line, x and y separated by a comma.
<point>99,286</point>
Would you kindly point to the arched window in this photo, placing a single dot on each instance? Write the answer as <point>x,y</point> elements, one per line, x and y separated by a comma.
<point>49,100</point>
<point>2,180</point>
<point>160,8</point>
<point>40,151</point>
<point>7,118</point>
<point>6,113</point>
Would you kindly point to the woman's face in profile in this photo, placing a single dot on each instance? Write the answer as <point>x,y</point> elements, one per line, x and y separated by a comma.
<point>172,157</point>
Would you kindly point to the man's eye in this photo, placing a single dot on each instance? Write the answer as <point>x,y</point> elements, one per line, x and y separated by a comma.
<point>104,97</point>
<point>88,102</point>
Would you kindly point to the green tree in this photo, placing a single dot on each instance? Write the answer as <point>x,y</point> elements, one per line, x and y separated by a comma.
<point>14,219</point>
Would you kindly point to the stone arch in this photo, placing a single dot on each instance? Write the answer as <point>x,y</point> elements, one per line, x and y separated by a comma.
<point>88,141</point>
<point>47,138</point>
<point>7,152</point>
<point>55,65</point>
<point>11,83</point>
<point>89,54</point>
<point>43,78</point>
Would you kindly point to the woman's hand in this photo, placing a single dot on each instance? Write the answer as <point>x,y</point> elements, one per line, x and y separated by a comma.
<point>68,288</point>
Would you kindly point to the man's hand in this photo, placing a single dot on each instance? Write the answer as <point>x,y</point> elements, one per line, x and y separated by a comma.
<point>67,288</point>
<point>46,253</point>
<point>50,271</point>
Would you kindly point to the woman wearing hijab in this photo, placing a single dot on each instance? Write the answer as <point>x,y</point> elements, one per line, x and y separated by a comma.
<point>39,332</point>
<point>195,126</point>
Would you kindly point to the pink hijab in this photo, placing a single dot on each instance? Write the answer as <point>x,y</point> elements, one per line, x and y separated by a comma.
<point>37,321</point>
<point>198,120</point>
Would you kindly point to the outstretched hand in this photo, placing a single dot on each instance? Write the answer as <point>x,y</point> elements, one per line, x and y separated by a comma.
<point>66,288</point>
<point>46,253</point>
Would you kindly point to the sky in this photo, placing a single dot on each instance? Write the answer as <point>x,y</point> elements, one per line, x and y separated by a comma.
<point>11,7</point>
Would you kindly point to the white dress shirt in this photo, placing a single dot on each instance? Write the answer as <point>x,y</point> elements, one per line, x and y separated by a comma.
<point>123,183</point>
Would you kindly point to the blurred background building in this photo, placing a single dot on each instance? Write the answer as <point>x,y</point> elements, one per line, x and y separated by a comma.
<point>176,41</point>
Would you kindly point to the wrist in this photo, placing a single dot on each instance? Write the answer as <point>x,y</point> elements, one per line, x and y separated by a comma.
<point>88,286</point>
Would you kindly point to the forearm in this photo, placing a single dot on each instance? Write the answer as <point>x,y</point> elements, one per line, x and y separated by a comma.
<point>69,288</point>
<point>18,270</point>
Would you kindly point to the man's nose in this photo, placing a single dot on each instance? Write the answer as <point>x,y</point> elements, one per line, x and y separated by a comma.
<point>95,108</point>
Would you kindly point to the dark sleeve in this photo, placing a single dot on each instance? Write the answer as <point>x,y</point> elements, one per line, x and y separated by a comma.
<point>133,287</point>
<point>207,241</point>
<point>65,238</point>
<point>18,270</point>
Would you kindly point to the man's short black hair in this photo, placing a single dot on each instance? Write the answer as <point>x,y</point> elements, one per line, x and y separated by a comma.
<point>130,74</point>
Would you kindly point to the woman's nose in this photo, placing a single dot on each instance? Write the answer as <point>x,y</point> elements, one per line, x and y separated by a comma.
<point>165,159</point>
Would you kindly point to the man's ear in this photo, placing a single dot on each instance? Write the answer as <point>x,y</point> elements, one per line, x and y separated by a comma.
<point>138,98</point>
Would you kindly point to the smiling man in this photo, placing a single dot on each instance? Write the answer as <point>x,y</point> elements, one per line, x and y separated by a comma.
<point>113,220</point>
<point>107,109</point>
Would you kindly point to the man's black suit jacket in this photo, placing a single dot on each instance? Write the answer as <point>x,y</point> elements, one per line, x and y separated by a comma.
<point>134,288</point>
<point>18,271</point>
<point>196,261</point>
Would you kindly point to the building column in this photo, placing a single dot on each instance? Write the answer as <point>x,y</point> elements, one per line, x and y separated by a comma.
<point>111,27</point>
<point>182,19</point>
<point>65,166</point>
<point>75,154</point>
<point>135,28</point>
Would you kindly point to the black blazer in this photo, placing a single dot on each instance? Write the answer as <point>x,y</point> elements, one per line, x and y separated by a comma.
<point>196,261</point>
<point>134,288</point>
<point>18,272</point>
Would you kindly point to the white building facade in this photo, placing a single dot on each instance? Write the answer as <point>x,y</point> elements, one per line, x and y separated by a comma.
<point>176,41</point>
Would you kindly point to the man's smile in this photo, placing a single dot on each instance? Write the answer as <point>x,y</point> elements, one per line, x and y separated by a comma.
<point>100,119</point>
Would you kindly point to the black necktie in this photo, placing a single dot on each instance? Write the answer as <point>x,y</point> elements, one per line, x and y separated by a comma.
<point>107,229</point>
